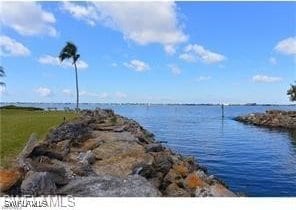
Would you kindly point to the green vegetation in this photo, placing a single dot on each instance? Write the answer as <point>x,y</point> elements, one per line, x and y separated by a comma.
<point>68,52</point>
<point>292,92</point>
<point>17,126</point>
<point>113,120</point>
<point>29,108</point>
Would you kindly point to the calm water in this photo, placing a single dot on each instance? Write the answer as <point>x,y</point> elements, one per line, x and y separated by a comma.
<point>252,160</point>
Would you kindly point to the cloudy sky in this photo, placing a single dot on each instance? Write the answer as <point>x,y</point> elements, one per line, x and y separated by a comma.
<point>165,52</point>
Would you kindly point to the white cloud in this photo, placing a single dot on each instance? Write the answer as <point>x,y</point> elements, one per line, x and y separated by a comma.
<point>87,12</point>
<point>265,78</point>
<point>43,91</point>
<point>142,22</point>
<point>287,46</point>
<point>192,52</point>
<point>10,47</point>
<point>27,18</point>
<point>203,78</point>
<point>175,70</point>
<point>272,60</point>
<point>89,94</point>
<point>103,95</point>
<point>51,60</point>
<point>114,65</point>
<point>2,90</point>
<point>137,65</point>
<point>120,95</point>
<point>187,57</point>
<point>67,92</point>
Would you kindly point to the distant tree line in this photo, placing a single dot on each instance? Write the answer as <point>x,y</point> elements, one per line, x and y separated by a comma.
<point>292,92</point>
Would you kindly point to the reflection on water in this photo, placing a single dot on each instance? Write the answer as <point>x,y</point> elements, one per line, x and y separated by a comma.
<point>293,137</point>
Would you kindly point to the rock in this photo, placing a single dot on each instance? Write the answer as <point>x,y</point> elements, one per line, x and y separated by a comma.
<point>173,190</point>
<point>8,178</point>
<point>83,170</point>
<point>119,158</point>
<point>87,158</point>
<point>57,172</point>
<point>120,165</point>
<point>172,176</point>
<point>203,192</point>
<point>91,144</point>
<point>216,190</point>
<point>110,186</point>
<point>30,145</point>
<point>162,163</point>
<point>272,119</point>
<point>112,148</point>
<point>74,131</point>
<point>119,128</point>
<point>182,169</point>
<point>38,183</point>
<point>154,147</point>
<point>145,170</point>
<point>43,150</point>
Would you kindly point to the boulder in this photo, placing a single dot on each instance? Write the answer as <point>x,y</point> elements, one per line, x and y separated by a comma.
<point>83,170</point>
<point>8,178</point>
<point>74,131</point>
<point>38,183</point>
<point>155,147</point>
<point>172,176</point>
<point>43,150</point>
<point>113,136</point>
<point>87,157</point>
<point>56,172</point>
<point>145,170</point>
<point>182,168</point>
<point>215,190</point>
<point>110,186</point>
<point>28,148</point>
<point>173,190</point>
<point>218,190</point>
<point>162,163</point>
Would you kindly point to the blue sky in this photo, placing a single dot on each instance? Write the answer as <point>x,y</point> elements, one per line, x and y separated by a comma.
<point>182,52</point>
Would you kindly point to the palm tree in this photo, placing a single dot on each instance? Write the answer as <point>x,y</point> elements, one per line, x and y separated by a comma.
<point>2,74</point>
<point>70,52</point>
<point>292,92</point>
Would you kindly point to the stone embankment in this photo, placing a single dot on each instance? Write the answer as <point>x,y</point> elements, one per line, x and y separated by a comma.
<point>271,119</point>
<point>104,154</point>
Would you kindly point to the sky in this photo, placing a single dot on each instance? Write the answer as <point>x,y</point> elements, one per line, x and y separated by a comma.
<point>149,52</point>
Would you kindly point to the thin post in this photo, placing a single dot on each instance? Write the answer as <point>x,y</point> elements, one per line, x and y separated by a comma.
<point>222,109</point>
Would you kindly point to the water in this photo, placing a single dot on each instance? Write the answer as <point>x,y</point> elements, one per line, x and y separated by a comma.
<point>252,160</point>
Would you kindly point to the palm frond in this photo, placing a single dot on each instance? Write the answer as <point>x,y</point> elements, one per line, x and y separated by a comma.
<point>69,51</point>
<point>2,72</point>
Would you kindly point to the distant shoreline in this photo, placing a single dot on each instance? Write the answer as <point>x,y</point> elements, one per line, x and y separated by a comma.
<point>151,104</point>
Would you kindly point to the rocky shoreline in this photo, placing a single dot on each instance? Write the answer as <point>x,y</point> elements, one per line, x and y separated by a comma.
<point>271,119</point>
<point>104,154</point>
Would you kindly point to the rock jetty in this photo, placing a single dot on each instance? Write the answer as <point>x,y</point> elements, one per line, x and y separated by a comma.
<point>271,119</point>
<point>103,154</point>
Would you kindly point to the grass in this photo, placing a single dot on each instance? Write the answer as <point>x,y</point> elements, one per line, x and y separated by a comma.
<point>17,125</point>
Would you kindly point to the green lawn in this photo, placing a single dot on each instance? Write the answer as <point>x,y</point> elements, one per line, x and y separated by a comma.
<point>17,125</point>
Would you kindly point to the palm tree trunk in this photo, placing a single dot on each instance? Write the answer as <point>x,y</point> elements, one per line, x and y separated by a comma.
<point>77,91</point>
